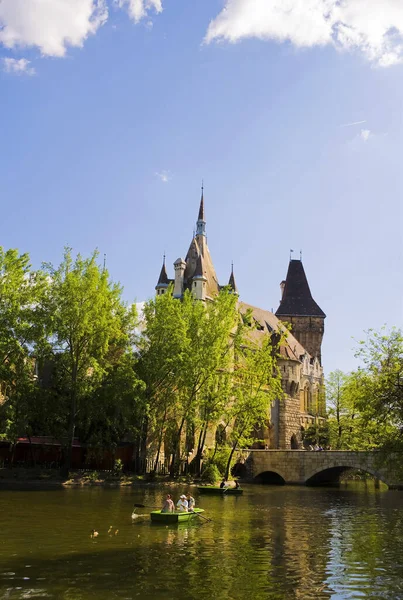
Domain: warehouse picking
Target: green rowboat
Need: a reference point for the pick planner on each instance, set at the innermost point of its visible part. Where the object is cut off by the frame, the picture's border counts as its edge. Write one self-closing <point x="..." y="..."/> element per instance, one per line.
<point x="177" y="517"/>
<point x="213" y="489"/>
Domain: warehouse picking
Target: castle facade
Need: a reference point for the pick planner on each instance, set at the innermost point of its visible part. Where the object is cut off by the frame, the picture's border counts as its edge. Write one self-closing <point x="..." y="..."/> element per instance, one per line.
<point x="300" y="360"/>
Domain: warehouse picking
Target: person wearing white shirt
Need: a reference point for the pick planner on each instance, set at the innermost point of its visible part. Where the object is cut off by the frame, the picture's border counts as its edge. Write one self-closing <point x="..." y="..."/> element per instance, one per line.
<point x="182" y="504"/>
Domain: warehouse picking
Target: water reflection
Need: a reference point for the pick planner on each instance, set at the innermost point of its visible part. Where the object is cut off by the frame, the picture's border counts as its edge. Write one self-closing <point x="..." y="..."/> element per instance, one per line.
<point x="269" y="544"/>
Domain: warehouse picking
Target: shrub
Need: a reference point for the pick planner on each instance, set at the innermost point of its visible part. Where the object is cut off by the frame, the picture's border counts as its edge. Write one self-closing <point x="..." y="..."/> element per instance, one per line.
<point x="220" y="459"/>
<point x="210" y="473"/>
<point x="118" y="467"/>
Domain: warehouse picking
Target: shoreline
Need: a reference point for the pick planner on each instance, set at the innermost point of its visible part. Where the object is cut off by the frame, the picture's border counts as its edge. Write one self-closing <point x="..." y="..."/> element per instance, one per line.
<point x="9" y="484"/>
<point x="42" y="479"/>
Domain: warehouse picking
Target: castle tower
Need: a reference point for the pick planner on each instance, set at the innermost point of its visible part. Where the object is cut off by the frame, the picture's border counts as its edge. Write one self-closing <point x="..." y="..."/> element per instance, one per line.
<point x="179" y="266"/>
<point x="163" y="281"/>
<point x="298" y="308"/>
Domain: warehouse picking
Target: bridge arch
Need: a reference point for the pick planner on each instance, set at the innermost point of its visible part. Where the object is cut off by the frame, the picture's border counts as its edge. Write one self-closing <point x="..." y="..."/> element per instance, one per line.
<point x="326" y="475"/>
<point x="269" y="478"/>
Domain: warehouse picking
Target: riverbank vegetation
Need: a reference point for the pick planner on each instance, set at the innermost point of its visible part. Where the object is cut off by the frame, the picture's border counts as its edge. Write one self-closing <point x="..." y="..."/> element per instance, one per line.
<point x="365" y="407"/>
<point x="76" y="363"/>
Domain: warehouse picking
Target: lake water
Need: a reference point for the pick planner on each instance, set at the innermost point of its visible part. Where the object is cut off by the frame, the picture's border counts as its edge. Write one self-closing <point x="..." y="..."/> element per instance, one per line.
<point x="271" y="543"/>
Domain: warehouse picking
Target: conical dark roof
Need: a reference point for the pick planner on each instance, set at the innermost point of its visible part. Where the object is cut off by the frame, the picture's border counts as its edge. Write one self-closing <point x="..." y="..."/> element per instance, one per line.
<point x="163" y="278"/>
<point x="297" y="298"/>
<point x="231" y="281"/>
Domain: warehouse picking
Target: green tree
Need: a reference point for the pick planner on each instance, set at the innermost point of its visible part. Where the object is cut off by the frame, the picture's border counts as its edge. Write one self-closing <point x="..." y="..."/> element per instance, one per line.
<point x="161" y="352"/>
<point x="366" y="406"/>
<point x="90" y="329"/>
<point x="210" y="335"/>
<point x="185" y="349"/>
<point x="344" y="418"/>
<point x="379" y="386"/>
<point x="256" y="384"/>
<point x="22" y="293"/>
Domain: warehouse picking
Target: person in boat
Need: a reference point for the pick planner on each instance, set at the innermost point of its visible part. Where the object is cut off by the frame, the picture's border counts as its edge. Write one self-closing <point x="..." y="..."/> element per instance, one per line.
<point x="191" y="502"/>
<point x="223" y="484"/>
<point x="237" y="486"/>
<point x="182" y="504"/>
<point x="169" y="506"/>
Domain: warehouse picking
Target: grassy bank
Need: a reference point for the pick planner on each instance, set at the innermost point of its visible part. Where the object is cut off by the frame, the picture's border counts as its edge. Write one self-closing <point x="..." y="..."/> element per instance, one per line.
<point x="51" y="477"/>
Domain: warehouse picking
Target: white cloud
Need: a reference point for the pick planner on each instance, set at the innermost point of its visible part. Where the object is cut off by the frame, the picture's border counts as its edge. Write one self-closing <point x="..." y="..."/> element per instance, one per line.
<point x="139" y="9"/>
<point x="53" y="26"/>
<point x="19" y="66"/>
<point x="365" y="134"/>
<point x="50" y="25"/>
<point x="375" y="27"/>
<point x="351" y="124"/>
<point x="164" y="175"/>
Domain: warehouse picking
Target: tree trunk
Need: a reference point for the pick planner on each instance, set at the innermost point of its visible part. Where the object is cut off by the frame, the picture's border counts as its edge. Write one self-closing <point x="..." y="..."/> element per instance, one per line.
<point x="66" y="467"/>
<point x="31" y="451"/>
<point x="227" y="470"/>
<point x="200" y="445"/>
<point x="172" y="470"/>
<point x="159" y="443"/>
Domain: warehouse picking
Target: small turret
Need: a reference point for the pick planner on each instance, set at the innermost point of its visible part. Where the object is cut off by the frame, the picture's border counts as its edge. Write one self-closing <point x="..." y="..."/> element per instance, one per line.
<point x="179" y="266"/>
<point x="199" y="280"/>
<point x="163" y="281"/>
<point x="231" y="282"/>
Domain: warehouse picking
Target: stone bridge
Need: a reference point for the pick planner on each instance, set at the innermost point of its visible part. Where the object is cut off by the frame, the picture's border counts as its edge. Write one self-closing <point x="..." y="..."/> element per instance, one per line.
<point x="301" y="467"/>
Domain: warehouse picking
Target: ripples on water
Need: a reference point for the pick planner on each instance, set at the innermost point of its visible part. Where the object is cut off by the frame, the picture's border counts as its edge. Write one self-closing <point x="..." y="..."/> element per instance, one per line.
<point x="269" y="544"/>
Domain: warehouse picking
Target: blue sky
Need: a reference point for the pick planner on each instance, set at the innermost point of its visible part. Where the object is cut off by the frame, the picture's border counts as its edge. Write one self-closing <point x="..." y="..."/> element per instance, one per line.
<point x="112" y="113"/>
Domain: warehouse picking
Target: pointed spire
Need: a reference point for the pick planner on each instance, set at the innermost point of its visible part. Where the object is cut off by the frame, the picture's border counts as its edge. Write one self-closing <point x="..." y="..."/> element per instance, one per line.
<point x="297" y="298"/>
<point x="201" y="222"/>
<point x="201" y="209"/>
<point x="231" y="281"/>
<point x="163" y="278"/>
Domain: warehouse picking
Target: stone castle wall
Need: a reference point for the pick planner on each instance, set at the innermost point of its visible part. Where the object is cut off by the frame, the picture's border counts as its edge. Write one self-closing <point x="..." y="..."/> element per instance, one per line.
<point x="289" y="423"/>
<point x="309" y="332"/>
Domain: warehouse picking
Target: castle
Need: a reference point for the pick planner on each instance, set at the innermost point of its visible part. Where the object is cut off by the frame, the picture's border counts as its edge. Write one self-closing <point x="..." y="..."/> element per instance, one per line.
<point x="300" y="360"/>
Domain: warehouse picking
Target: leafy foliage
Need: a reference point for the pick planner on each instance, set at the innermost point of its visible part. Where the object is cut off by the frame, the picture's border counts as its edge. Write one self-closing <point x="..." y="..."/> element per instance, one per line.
<point x="366" y="406"/>
<point x="255" y="385"/>
<point x="210" y="473"/>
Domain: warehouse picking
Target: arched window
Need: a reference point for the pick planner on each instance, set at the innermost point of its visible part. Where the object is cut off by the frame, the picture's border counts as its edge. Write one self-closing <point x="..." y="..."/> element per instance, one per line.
<point x="294" y="442"/>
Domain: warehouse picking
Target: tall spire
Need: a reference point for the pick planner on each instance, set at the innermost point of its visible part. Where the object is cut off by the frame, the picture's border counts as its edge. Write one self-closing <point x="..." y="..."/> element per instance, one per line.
<point x="231" y="281"/>
<point x="201" y="222"/>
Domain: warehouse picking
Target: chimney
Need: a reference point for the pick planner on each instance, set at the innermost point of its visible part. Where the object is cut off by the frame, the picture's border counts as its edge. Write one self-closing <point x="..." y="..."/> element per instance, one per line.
<point x="179" y="266"/>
